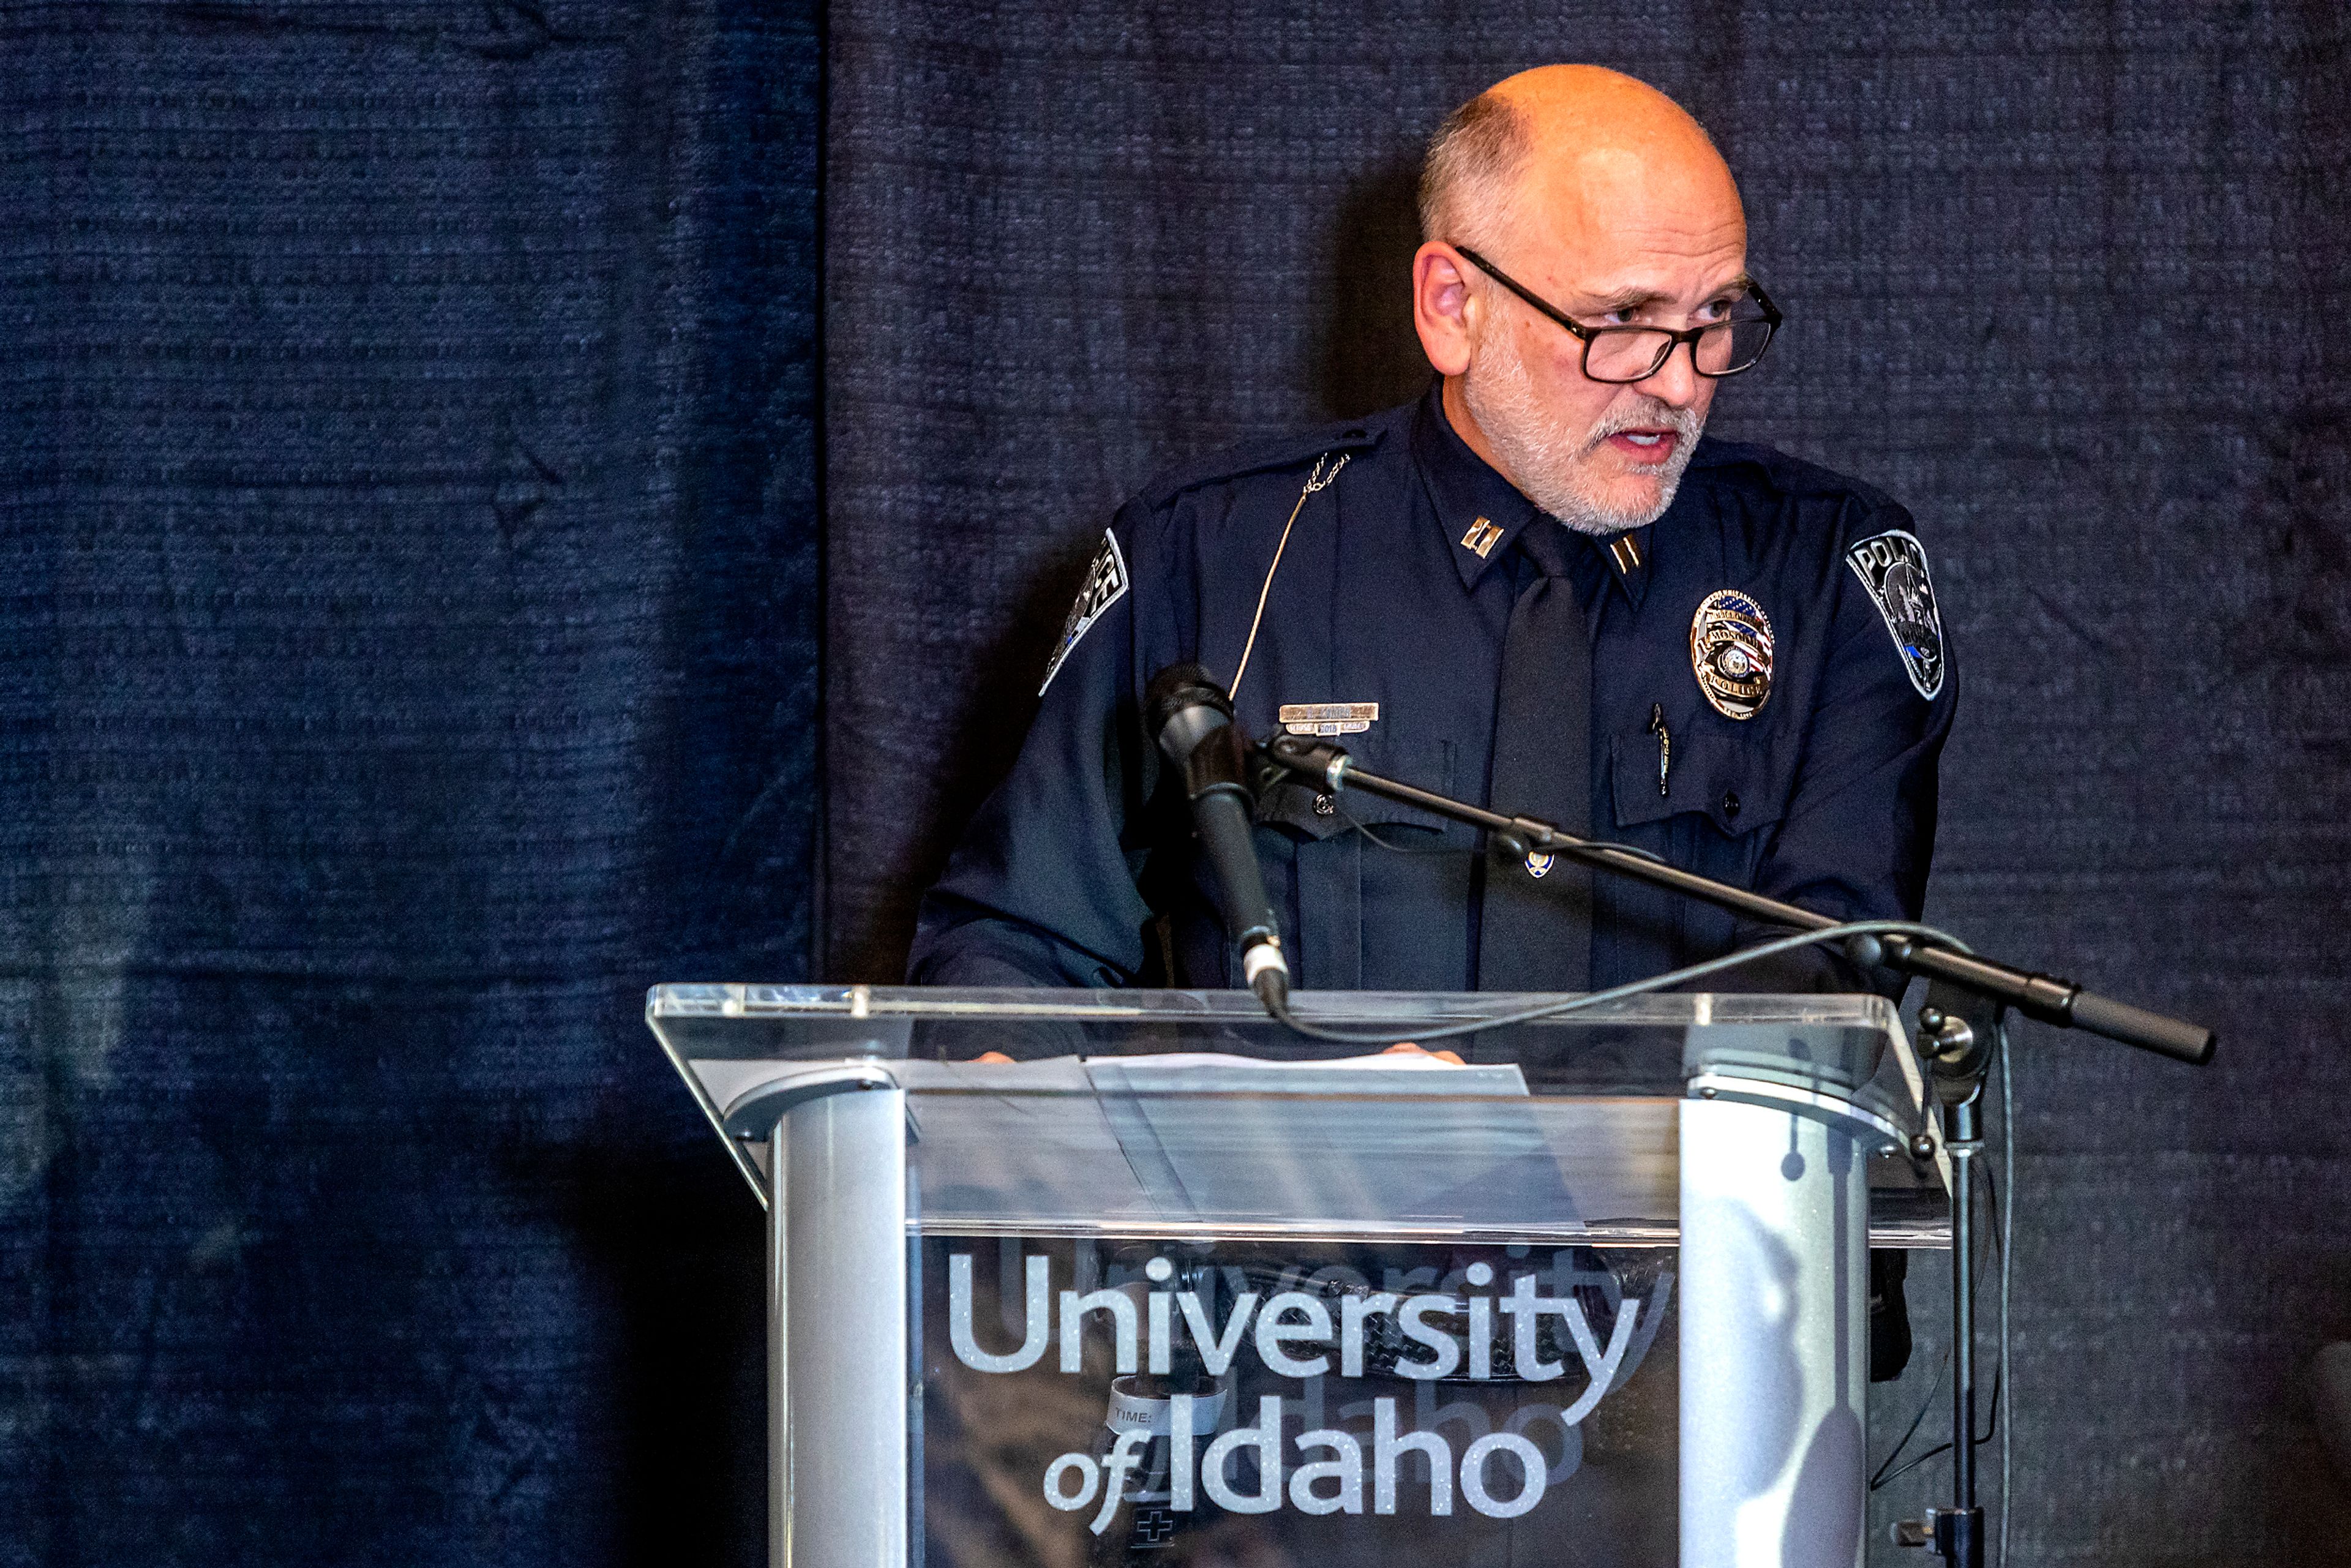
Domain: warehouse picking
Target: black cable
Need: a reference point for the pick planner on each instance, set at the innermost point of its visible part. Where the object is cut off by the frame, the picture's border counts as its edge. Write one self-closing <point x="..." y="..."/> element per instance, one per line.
<point x="1938" y="1451"/>
<point x="1941" y="1448"/>
<point x="1993" y="1241"/>
<point x="1999" y="1378"/>
<point x="1772" y="949"/>
<point x="1365" y="828"/>
<point x="1933" y="1387"/>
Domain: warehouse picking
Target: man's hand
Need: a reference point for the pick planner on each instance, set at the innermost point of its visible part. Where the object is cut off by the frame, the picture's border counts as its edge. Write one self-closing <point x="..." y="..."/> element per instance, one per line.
<point x="1405" y="1046"/>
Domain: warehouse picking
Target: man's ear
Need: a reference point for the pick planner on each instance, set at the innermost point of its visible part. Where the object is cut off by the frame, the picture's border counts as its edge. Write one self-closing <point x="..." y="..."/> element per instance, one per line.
<point x="1441" y="307"/>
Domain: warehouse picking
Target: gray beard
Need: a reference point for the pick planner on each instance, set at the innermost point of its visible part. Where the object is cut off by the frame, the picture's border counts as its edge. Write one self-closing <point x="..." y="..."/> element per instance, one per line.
<point x="1546" y="461"/>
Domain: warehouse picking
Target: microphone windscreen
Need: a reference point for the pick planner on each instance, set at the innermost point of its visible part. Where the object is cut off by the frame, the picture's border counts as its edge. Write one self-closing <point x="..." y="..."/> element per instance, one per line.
<point x="1182" y="704"/>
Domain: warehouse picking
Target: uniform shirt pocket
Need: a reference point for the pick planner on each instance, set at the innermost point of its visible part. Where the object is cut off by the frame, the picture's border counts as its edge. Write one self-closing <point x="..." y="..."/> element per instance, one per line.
<point x="1734" y="783"/>
<point x="1352" y="899"/>
<point x="1318" y="814"/>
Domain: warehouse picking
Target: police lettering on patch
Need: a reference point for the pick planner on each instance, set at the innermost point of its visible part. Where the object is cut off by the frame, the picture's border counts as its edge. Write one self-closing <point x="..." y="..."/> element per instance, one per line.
<point x="1106" y="585"/>
<point x="1893" y="566"/>
<point x="1731" y="653"/>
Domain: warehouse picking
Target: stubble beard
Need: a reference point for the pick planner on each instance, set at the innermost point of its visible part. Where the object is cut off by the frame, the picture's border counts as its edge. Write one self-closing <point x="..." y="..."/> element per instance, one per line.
<point x="1552" y="466"/>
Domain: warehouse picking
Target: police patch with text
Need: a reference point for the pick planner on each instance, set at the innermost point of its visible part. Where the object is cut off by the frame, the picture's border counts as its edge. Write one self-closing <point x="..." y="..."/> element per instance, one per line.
<point x="1893" y="566"/>
<point x="1106" y="585"/>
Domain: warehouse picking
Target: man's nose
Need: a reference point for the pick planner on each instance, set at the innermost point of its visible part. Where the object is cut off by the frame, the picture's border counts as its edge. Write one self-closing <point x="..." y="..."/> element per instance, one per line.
<point x="1674" y="382"/>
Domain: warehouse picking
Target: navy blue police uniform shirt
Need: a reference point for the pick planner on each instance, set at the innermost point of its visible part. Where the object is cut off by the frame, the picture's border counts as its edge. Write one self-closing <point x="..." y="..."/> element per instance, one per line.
<point x="1385" y="617"/>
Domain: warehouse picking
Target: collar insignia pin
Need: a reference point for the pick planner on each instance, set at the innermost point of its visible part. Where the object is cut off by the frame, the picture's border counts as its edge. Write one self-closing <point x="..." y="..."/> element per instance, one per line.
<point x="1538" y="862"/>
<point x="1731" y="653"/>
<point x="1479" y="540"/>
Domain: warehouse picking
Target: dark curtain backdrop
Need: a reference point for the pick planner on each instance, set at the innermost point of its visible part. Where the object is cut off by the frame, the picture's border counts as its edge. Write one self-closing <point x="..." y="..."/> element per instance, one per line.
<point x="409" y="523"/>
<point x="2066" y="278"/>
<point x="411" y="518"/>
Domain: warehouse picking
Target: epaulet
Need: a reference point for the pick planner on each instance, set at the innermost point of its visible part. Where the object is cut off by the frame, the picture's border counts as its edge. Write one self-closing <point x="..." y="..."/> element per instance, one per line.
<point x="1273" y="455"/>
<point x="1789" y="476"/>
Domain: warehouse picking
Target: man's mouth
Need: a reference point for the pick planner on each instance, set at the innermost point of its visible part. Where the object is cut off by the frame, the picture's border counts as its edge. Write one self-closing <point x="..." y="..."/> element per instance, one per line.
<point x="1645" y="446"/>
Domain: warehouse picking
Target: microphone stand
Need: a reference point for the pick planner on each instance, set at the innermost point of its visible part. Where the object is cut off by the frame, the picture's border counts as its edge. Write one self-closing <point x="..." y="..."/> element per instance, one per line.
<point x="1962" y="1028"/>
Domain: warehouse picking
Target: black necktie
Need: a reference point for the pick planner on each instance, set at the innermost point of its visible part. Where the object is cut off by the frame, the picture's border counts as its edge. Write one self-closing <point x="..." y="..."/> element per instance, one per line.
<point x="1536" y="931"/>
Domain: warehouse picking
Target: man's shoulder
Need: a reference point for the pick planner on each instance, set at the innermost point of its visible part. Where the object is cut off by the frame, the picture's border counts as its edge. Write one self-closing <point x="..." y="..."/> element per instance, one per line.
<point x="1280" y="459"/>
<point x="1769" y="472"/>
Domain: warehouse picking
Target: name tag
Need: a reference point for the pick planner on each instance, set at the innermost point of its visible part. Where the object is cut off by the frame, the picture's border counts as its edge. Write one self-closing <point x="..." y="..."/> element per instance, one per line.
<point x="1327" y="718"/>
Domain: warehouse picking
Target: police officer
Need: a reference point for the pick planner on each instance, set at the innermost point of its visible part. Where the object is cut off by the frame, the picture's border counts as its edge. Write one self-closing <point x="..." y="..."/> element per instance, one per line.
<point x="1539" y="586"/>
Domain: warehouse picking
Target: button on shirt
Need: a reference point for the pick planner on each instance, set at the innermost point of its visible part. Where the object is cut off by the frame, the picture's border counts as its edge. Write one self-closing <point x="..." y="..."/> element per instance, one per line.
<point x="1393" y="589"/>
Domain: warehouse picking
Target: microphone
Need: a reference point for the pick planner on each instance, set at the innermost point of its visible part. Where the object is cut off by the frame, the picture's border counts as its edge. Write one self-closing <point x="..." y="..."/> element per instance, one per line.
<point x="1192" y="719"/>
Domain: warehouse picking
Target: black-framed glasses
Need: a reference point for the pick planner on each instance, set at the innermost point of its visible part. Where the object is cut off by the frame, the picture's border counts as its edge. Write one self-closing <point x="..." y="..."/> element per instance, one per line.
<point x="1625" y="354"/>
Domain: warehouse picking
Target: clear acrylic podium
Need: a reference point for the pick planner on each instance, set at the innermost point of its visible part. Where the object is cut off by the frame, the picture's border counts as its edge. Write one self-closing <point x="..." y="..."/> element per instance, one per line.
<point x="1180" y="1286"/>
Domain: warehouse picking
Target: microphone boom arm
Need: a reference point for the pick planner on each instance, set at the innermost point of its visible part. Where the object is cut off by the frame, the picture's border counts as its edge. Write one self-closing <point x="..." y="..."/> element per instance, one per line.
<point x="2047" y="997"/>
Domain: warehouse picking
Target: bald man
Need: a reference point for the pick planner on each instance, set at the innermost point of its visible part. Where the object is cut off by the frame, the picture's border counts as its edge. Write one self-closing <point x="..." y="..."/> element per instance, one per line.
<point x="1539" y="587"/>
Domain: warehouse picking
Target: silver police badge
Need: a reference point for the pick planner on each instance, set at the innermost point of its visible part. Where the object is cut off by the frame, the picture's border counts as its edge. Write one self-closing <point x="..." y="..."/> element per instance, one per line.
<point x="1731" y="652"/>
<point x="1893" y="566"/>
<point x="1106" y="583"/>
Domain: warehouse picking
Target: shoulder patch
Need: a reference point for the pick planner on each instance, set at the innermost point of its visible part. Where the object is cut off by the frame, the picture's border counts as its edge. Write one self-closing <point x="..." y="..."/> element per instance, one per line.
<point x="1893" y="566"/>
<point x="1106" y="585"/>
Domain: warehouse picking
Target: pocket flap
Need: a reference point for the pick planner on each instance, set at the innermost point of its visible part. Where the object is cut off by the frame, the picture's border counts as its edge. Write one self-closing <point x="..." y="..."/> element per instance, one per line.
<point x="1427" y="765"/>
<point x="1733" y="782"/>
